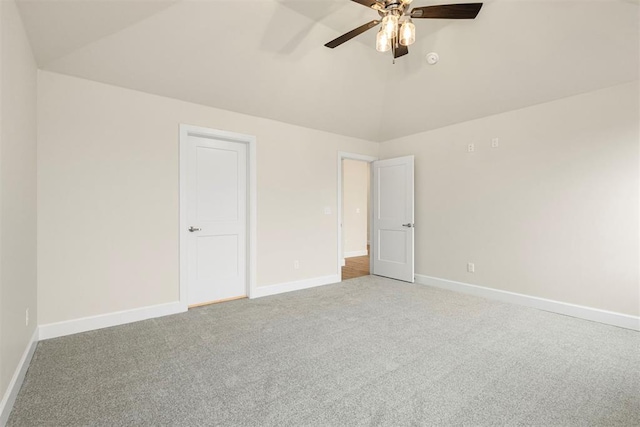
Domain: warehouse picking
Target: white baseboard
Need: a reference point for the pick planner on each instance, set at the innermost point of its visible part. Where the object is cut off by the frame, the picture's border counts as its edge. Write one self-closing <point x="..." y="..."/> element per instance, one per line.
<point x="356" y="253"/>
<point x="263" y="291"/>
<point x="573" y="310"/>
<point x="16" y="381"/>
<point x="59" y="329"/>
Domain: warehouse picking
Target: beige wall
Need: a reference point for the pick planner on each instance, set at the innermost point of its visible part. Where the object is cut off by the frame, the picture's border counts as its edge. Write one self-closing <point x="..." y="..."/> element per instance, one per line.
<point x="355" y="179"/>
<point x="17" y="192"/>
<point x="552" y="212"/>
<point x="108" y="196"/>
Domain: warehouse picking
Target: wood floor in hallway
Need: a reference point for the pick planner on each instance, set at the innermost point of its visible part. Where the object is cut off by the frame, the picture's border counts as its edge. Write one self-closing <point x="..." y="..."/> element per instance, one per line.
<point x="355" y="267"/>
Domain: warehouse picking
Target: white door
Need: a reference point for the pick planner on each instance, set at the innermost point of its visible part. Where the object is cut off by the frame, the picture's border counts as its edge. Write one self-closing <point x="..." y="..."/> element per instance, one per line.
<point x="393" y="227"/>
<point x="216" y="219"/>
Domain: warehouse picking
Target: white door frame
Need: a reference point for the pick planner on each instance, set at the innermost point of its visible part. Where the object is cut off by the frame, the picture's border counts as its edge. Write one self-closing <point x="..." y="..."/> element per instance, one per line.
<point x="250" y="140"/>
<point x="351" y="156"/>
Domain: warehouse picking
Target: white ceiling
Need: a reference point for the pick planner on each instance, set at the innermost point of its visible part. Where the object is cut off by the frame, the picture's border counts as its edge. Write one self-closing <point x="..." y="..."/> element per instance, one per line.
<point x="266" y="58"/>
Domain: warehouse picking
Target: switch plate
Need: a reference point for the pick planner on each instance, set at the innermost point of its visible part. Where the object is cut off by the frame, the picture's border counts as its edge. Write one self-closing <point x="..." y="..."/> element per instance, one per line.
<point x="26" y="315"/>
<point x="327" y="210"/>
<point x="471" y="147"/>
<point x="495" y="142"/>
<point x="471" y="267"/>
<point x="296" y="265"/>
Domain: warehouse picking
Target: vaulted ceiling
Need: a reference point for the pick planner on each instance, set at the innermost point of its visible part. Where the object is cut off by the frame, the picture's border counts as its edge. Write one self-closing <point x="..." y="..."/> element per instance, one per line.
<point x="266" y="58"/>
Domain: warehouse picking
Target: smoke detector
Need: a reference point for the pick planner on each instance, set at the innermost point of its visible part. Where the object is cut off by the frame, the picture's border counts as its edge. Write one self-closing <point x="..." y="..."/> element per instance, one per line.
<point x="432" y="58"/>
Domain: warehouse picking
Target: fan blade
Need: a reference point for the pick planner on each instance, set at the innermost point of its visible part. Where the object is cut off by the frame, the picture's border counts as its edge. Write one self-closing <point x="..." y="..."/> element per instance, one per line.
<point x="369" y="3"/>
<point x="351" y="34"/>
<point x="400" y="51"/>
<point x="448" y="11"/>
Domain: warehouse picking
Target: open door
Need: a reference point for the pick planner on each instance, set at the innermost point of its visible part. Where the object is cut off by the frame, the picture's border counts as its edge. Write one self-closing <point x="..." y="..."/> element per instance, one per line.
<point x="393" y="227"/>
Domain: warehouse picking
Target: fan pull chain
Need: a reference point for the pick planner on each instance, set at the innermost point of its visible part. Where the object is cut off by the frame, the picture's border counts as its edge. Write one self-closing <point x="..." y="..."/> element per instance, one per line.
<point x="394" y="48"/>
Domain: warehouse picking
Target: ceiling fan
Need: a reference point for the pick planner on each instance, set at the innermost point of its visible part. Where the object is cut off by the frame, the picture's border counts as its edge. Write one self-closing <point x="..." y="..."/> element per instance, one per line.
<point x="397" y="35"/>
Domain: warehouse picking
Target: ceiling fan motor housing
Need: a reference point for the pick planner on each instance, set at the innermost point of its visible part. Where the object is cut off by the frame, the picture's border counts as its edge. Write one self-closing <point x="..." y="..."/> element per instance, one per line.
<point x="395" y="7"/>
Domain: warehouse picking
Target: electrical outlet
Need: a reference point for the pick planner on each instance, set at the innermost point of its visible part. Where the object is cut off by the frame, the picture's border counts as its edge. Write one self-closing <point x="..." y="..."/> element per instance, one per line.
<point x="495" y="142"/>
<point x="26" y="315"/>
<point x="471" y="148"/>
<point x="296" y="265"/>
<point x="471" y="267"/>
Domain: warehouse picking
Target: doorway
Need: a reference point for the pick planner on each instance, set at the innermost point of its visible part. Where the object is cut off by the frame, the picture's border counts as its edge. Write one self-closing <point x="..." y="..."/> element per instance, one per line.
<point x="217" y="215"/>
<point x="355" y="218"/>
<point x="390" y="216"/>
<point x="354" y="214"/>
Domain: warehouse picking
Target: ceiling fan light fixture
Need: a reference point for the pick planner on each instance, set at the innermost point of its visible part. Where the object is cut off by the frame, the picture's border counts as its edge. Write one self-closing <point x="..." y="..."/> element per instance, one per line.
<point x="396" y="30"/>
<point x="383" y="41"/>
<point x="407" y="33"/>
<point x="390" y="25"/>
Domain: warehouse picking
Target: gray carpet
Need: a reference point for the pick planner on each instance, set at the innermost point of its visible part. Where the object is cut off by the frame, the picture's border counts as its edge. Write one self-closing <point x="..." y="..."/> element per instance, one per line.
<point x="368" y="351"/>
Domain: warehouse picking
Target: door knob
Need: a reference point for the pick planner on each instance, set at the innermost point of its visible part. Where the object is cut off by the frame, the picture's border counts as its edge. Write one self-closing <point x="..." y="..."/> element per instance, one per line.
<point x="409" y="225"/>
<point x="192" y="229"/>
